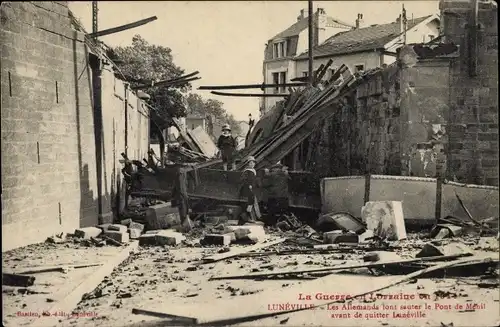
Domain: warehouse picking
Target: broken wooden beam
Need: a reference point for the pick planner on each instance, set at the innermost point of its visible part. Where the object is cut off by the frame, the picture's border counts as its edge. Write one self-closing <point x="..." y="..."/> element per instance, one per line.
<point x="122" y="27"/>
<point x="68" y="302"/>
<point x="248" y="86"/>
<point x="255" y="95"/>
<point x="250" y="308"/>
<point x="178" y="319"/>
<point x="235" y="252"/>
<point x="59" y="268"/>
<point x="340" y="267"/>
<point x="168" y="82"/>
<point x="17" y="280"/>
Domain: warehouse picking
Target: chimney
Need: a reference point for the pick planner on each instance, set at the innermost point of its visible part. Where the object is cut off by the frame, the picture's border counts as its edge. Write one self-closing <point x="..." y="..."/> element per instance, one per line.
<point x="359" y="21"/>
<point x="302" y="15"/>
<point x="320" y="23"/>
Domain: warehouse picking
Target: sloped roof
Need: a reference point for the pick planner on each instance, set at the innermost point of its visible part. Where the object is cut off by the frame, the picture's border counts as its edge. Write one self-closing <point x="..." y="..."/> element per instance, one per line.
<point x="302" y="25"/>
<point x="362" y="39"/>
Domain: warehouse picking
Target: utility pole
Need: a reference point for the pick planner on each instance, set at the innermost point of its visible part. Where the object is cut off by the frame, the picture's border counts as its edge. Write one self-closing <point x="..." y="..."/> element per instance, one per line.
<point x="311" y="43"/>
<point x="94" y="18"/>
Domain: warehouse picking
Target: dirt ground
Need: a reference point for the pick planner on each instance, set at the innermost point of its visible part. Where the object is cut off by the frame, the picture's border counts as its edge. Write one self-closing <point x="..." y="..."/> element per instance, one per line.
<point x="167" y="279"/>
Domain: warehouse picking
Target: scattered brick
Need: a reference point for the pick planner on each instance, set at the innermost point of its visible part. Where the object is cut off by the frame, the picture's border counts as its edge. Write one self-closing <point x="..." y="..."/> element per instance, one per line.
<point x="134" y="225"/>
<point x="117" y="227"/>
<point x="216" y="239"/>
<point x="88" y="232"/>
<point x="119" y="236"/>
<point x="338" y="236"/>
<point x="134" y="233"/>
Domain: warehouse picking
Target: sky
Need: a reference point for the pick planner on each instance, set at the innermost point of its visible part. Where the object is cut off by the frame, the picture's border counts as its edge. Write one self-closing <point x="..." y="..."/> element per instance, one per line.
<point x="225" y="40"/>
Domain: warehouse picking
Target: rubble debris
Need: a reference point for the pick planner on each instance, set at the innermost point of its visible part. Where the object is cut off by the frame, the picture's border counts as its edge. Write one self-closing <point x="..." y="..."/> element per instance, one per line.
<point x="236" y="252"/>
<point x="482" y="226"/>
<point x="366" y="236"/>
<point x="126" y="222"/>
<point x="134" y="225"/>
<point x="111" y="240"/>
<point x="134" y="233"/>
<point x="431" y="250"/>
<point x="346" y="267"/>
<point x="118" y="236"/>
<point x="385" y="218"/>
<point x="340" y="220"/>
<point x="59" y="268"/>
<point x="161" y="237"/>
<point x="162" y="216"/>
<point x="103" y="227"/>
<point x="117" y="228"/>
<point x="88" y="232"/>
<point x="17" y="280"/>
<point x="381" y="256"/>
<point x="339" y="236"/>
<point x="259" y="312"/>
<point x="442" y="231"/>
<point x="244" y="233"/>
<point x="217" y="239"/>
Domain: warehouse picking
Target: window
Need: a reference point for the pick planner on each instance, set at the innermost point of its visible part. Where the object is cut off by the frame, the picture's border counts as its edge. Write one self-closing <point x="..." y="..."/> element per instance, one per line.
<point x="276" y="80"/>
<point x="279" y="78"/>
<point x="279" y="49"/>
<point x="283" y="81"/>
<point x="359" y="68"/>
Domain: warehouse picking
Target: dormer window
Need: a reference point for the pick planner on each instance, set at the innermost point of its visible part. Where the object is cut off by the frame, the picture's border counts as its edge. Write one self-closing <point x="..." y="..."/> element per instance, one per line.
<point x="279" y="49"/>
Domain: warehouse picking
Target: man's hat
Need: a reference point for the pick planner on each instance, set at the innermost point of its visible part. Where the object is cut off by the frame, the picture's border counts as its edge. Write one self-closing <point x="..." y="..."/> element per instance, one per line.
<point x="226" y="127"/>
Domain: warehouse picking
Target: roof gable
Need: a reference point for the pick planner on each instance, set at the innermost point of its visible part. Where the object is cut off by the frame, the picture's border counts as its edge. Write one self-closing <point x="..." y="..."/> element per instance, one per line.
<point x="362" y="39"/>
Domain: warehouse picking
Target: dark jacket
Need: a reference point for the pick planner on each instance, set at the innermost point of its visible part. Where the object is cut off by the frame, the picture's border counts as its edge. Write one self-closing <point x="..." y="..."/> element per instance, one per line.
<point x="226" y="142"/>
<point x="248" y="178"/>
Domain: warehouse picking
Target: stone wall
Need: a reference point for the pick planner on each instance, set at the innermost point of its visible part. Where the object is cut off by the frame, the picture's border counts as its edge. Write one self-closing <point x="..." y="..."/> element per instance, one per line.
<point x="50" y="177"/>
<point x="473" y="121"/>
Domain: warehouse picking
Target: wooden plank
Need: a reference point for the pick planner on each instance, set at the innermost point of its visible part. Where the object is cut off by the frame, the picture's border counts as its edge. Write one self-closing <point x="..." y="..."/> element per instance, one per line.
<point x="123" y="27"/>
<point x="255" y="307"/>
<point x="237" y="251"/>
<point x="71" y="300"/>
<point x="341" y="267"/>
<point x="17" y="280"/>
<point x="59" y="268"/>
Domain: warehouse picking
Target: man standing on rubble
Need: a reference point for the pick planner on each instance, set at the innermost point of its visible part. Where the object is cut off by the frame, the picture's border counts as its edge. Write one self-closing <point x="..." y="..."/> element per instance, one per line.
<point x="251" y="211"/>
<point x="227" y="147"/>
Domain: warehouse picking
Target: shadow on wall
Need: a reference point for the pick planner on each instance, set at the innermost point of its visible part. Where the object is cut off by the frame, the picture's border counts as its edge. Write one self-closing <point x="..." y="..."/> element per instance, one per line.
<point x="88" y="205"/>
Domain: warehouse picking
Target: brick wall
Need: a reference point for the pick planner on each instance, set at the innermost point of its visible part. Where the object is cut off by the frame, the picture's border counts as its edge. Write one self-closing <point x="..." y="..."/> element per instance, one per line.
<point x="473" y="130"/>
<point x="362" y="136"/>
<point x="49" y="162"/>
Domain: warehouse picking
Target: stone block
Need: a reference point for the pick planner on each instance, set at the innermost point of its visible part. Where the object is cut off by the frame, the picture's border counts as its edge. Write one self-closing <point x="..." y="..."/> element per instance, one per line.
<point x="147" y="239"/>
<point x="126" y="222"/>
<point x="161" y="237"/>
<point x="117" y="227"/>
<point x="166" y="237"/>
<point x="134" y="233"/>
<point x="338" y="236"/>
<point x="134" y="225"/>
<point x="119" y="236"/>
<point x="216" y="239"/>
<point x="162" y="216"/>
<point x="88" y="232"/>
<point x="385" y="219"/>
<point x="255" y="232"/>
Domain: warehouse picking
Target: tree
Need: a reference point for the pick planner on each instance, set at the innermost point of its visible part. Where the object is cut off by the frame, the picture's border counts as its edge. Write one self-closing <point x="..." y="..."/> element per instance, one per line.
<point x="143" y="63"/>
<point x="214" y="108"/>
